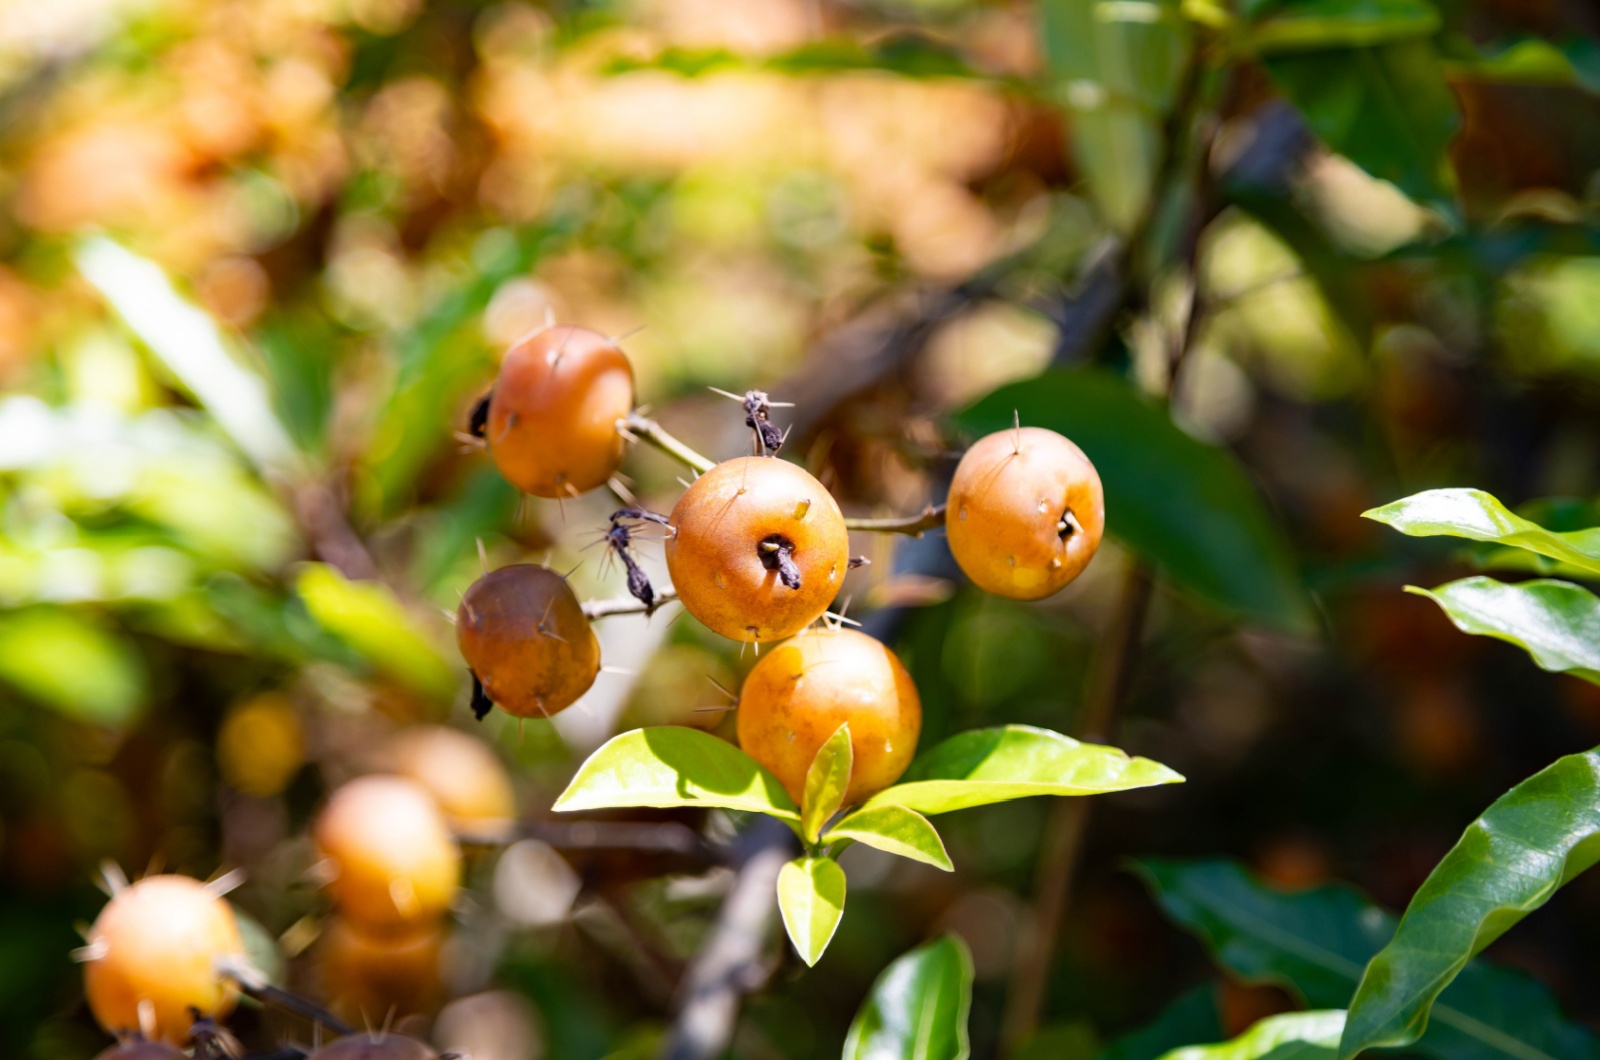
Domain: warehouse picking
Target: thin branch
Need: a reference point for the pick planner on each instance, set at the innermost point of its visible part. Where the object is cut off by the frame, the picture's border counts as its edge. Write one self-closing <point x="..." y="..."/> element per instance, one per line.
<point x="626" y="605"/>
<point x="652" y="433"/>
<point x="253" y="983"/>
<point x="666" y="837"/>
<point x="930" y="518"/>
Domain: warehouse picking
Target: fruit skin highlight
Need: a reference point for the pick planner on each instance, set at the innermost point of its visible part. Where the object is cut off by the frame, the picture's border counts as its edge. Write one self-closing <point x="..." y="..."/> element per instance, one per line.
<point x="524" y="636"/>
<point x="464" y="776"/>
<point x="552" y="422"/>
<point x="158" y="942"/>
<point x="805" y="688"/>
<point x="725" y="576"/>
<point x="396" y="865"/>
<point x="1025" y="513"/>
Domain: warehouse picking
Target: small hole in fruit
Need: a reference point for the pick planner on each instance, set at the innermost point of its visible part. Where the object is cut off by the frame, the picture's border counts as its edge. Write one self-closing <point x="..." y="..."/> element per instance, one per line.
<point x="1068" y="525"/>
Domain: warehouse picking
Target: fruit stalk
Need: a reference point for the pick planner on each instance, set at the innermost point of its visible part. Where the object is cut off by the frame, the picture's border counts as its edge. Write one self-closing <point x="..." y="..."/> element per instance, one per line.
<point x="652" y="433"/>
<point x="626" y="605"/>
<point x="930" y="518"/>
<point x="253" y="983"/>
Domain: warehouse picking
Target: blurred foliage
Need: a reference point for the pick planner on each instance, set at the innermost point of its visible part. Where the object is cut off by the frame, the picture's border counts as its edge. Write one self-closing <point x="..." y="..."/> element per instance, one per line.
<point x="257" y="261"/>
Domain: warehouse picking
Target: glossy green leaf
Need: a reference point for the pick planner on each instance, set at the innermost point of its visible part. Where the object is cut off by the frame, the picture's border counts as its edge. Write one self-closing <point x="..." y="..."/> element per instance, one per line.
<point x="72" y="665"/>
<point x="1291" y="1036"/>
<point x="1308" y="24"/>
<point x="368" y="617"/>
<point x="811" y="899"/>
<point x="672" y="766"/>
<point x="1316" y="943"/>
<point x="1557" y="623"/>
<point x="984" y="766"/>
<point x="1479" y="516"/>
<point x="896" y="830"/>
<point x="1531" y="841"/>
<point x="1386" y="108"/>
<point x="826" y="782"/>
<point x="1180" y="503"/>
<point x="1573" y="61"/>
<point x="918" y="1007"/>
<point x="1116" y="68"/>
<point x="1191" y="1017"/>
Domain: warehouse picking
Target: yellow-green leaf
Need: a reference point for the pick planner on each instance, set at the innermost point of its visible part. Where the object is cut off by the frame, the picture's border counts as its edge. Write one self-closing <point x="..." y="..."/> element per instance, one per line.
<point x="673" y="766"/>
<point x="826" y="782"/>
<point x="811" y="898"/>
<point x="895" y="830"/>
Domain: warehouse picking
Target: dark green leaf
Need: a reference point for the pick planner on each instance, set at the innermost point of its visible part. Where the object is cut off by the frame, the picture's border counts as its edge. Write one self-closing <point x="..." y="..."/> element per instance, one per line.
<point x="1291" y="1036"/>
<point x="1573" y="61"/>
<point x="671" y="766"/>
<point x="1479" y="516"/>
<point x="1185" y="505"/>
<point x="1530" y="842"/>
<point x="1386" y="108"/>
<point x="918" y="1007"/>
<point x="1316" y="943"/>
<point x="826" y="782"/>
<point x="1557" y="623"/>
<point x="1191" y="1017"/>
<point x="896" y="830"/>
<point x="811" y="899"/>
<point x="985" y="766"/>
<point x="1310" y="24"/>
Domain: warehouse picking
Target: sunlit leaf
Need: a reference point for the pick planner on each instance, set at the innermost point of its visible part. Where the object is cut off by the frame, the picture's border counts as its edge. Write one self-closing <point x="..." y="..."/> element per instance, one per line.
<point x="826" y="781"/>
<point x="1305" y="24"/>
<point x="1386" y="108"/>
<point x="896" y="830"/>
<point x="370" y="619"/>
<point x="918" y="1007"/>
<point x="1182" y="504"/>
<point x="1290" y="1036"/>
<point x="672" y="766"/>
<point x="1315" y="943"/>
<point x="1478" y="516"/>
<point x="811" y="899"/>
<point x="1557" y="623"/>
<point x="984" y="766"/>
<point x="1531" y="841"/>
<point x="72" y="665"/>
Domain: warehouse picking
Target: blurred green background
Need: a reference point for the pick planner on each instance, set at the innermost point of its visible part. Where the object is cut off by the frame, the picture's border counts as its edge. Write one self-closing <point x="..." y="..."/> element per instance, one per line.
<point x="259" y="257"/>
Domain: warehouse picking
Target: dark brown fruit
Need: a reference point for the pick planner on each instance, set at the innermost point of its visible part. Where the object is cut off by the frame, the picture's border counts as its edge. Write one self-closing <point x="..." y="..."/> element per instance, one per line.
<point x="524" y="636"/>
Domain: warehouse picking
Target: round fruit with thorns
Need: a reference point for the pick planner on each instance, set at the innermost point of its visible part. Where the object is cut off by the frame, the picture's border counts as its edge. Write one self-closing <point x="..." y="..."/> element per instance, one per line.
<point x="375" y="1046"/>
<point x="156" y="958"/>
<point x="758" y="549"/>
<point x="393" y="863"/>
<point x="462" y="773"/>
<point x="527" y="642"/>
<point x="551" y="420"/>
<point x="799" y="694"/>
<point x="1025" y="513"/>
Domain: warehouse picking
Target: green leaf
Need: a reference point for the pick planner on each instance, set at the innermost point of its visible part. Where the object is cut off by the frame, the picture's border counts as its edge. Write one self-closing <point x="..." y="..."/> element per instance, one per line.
<point x="1557" y="623"/>
<point x="1387" y="108"/>
<point x="371" y="619"/>
<point x="826" y="782"/>
<point x="1180" y="503"/>
<point x="671" y="766"/>
<point x="1572" y="62"/>
<point x="1310" y="24"/>
<point x="1192" y="1016"/>
<point x="72" y="665"/>
<point x="1291" y="1036"/>
<point x="1531" y="841"/>
<point x="1116" y="68"/>
<point x="896" y="830"/>
<point x="1013" y="762"/>
<point x="811" y="898"/>
<point x="1479" y="516"/>
<point x="1316" y="942"/>
<point x="918" y="1007"/>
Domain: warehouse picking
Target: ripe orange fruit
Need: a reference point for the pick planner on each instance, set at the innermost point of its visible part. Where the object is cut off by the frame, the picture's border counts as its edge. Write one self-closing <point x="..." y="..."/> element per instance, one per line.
<point x="368" y="979"/>
<point x="141" y="1051"/>
<point x="397" y="864"/>
<point x="552" y="423"/>
<point x="804" y="689"/>
<point x="524" y="636"/>
<point x="758" y="549"/>
<point x="462" y="773"/>
<point x="1025" y="513"/>
<point x="153" y="956"/>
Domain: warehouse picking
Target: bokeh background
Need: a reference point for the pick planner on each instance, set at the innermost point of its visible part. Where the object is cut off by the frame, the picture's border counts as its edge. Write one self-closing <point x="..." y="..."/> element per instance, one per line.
<point x="259" y="257"/>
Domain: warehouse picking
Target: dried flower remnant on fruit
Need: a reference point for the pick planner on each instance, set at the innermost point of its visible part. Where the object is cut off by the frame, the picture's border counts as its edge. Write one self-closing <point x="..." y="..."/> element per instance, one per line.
<point x="777" y="554"/>
<point x="758" y="417"/>
<point x="619" y="539"/>
<point x="478" y="419"/>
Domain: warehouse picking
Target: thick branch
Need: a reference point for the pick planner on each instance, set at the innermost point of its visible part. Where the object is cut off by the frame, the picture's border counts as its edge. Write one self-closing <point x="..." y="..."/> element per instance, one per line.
<point x="930" y="518"/>
<point x="626" y="605"/>
<point x="652" y="433"/>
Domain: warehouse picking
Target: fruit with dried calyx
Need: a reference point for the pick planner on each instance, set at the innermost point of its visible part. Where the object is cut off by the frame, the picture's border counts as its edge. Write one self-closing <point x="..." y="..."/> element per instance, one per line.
<point x="393" y="863"/>
<point x="801" y="691"/>
<point x="758" y="549"/>
<point x="527" y="642"/>
<point x="1025" y="513"/>
<point x="551" y="420"/>
<point x="155" y="956"/>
